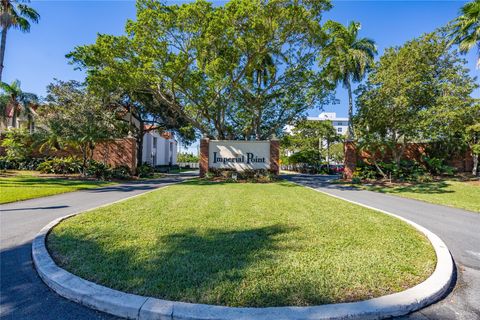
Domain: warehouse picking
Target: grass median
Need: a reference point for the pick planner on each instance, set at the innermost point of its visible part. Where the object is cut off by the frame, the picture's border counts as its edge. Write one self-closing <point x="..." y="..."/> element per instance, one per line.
<point x="18" y="185"/>
<point x="258" y="245"/>
<point x="458" y="194"/>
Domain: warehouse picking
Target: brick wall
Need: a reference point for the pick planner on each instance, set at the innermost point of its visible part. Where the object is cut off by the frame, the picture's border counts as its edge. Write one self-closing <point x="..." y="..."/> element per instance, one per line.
<point x="275" y="156"/>
<point x="413" y="151"/>
<point x="204" y="143"/>
<point x="117" y="152"/>
<point x="114" y="153"/>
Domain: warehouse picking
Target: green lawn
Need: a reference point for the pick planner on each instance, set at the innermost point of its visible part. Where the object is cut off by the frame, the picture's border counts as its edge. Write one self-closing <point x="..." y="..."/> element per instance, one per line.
<point x="246" y="244"/>
<point x="459" y="194"/>
<point x="28" y="185"/>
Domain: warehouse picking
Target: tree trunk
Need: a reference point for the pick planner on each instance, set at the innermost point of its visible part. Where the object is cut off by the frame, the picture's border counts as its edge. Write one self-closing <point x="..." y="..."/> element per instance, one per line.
<point x="475" y="170"/>
<point x="139" y="140"/>
<point x="2" y="51"/>
<point x="14" y="117"/>
<point x="351" y="133"/>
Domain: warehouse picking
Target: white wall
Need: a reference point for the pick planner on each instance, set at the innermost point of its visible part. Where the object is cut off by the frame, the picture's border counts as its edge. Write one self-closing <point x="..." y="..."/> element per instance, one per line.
<point x="163" y="153"/>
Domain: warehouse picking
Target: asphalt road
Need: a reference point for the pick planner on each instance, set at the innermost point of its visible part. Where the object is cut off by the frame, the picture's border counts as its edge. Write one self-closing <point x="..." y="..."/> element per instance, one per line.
<point x="23" y="295"/>
<point x="459" y="229"/>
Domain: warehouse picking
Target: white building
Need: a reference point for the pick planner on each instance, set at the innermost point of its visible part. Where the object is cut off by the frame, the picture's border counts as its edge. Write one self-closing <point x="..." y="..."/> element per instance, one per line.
<point x="340" y="124"/>
<point x="159" y="149"/>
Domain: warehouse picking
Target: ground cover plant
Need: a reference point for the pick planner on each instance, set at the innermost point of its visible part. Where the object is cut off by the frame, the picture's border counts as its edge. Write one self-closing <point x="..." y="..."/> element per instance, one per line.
<point x="243" y="244"/>
<point x="454" y="193"/>
<point x="23" y="185"/>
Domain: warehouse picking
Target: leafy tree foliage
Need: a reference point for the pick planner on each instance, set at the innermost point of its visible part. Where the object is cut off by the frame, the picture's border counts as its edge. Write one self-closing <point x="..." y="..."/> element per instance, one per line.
<point x="73" y="118"/>
<point x="419" y="92"/>
<point x="187" y="157"/>
<point x="238" y="71"/>
<point x="310" y="141"/>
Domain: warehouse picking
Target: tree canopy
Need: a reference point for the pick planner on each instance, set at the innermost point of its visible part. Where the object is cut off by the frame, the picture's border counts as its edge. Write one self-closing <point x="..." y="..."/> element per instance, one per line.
<point x="238" y="71"/>
<point x="419" y="92"/>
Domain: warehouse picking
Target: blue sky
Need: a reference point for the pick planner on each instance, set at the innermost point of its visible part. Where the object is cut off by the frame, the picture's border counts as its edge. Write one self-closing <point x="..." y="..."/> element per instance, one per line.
<point x="36" y="58"/>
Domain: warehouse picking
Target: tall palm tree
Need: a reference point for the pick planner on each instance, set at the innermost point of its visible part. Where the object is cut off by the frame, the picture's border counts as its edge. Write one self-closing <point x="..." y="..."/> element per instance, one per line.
<point x="347" y="58"/>
<point x="17" y="103"/>
<point x="14" y="14"/>
<point x="466" y="28"/>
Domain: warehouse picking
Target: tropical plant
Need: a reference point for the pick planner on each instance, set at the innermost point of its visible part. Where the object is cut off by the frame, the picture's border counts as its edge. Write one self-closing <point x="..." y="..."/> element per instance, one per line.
<point x="466" y="28"/>
<point x="347" y="58"/>
<point x="16" y="102"/>
<point x="78" y="119"/>
<point x="14" y="14"/>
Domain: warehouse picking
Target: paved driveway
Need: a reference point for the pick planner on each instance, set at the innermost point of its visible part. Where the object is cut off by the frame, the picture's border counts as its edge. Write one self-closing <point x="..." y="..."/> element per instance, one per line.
<point x="24" y="296"/>
<point x="22" y="293"/>
<point x="459" y="229"/>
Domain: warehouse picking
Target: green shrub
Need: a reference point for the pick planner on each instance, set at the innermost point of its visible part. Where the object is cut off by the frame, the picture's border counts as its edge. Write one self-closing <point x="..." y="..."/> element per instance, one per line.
<point x="99" y="170"/>
<point x="231" y="175"/>
<point x="7" y="163"/>
<point x="68" y="165"/>
<point x="437" y="166"/>
<point x="145" y="171"/>
<point x="17" y="144"/>
<point x="121" y="172"/>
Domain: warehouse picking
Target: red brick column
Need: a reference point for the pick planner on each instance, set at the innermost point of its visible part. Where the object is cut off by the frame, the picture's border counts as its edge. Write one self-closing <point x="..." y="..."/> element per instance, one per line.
<point x="204" y="142"/>
<point x="275" y="156"/>
<point x="350" y="162"/>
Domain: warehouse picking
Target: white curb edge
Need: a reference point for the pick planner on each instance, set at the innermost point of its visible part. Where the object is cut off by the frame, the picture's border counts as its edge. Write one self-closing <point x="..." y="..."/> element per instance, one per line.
<point x="139" y="307"/>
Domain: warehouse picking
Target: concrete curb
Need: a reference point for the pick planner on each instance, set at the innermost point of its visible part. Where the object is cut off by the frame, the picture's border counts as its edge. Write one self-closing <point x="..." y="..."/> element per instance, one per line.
<point x="139" y="307"/>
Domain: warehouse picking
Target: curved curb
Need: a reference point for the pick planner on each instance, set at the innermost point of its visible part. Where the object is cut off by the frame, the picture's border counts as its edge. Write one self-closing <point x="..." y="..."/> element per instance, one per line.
<point x="133" y="306"/>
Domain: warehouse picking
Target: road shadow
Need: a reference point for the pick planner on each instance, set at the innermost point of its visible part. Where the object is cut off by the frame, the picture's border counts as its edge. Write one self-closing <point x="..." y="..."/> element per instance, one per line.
<point x="37" y="208"/>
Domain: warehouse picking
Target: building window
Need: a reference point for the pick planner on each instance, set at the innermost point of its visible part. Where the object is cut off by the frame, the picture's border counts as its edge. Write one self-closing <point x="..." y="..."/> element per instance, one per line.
<point x="154" y="142"/>
<point x="340" y="124"/>
<point x="339" y="130"/>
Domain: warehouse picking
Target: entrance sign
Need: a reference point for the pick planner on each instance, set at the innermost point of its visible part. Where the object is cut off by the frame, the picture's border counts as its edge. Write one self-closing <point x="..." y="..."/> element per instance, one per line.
<point x="239" y="155"/>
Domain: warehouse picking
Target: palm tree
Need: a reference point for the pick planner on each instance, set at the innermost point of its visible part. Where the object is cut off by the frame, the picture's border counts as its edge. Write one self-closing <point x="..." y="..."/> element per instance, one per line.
<point x="18" y="102"/>
<point x="347" y="58"/>
<point x="14" y="13"/>
<point x="466" y="28"/>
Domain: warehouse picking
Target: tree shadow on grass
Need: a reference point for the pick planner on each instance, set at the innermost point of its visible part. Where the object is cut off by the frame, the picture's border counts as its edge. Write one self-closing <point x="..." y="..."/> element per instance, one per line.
<point x="423" y="188"/>
<point x="203" y="267"/>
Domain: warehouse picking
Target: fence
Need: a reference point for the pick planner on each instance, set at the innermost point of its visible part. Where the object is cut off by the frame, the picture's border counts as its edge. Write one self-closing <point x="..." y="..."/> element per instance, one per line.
<point x="188" y="165"/>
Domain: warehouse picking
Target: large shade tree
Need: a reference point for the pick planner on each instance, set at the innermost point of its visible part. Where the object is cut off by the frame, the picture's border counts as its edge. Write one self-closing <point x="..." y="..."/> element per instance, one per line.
<point x="238" y="71"/>
<point x="466" y="28"/>
<point x="347" y="57"/>
<point x="419" y="92"/>
<point x="14" y="14"/>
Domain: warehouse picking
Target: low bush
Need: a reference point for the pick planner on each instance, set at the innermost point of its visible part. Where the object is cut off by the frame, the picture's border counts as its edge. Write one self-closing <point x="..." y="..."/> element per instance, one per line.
<point x="68" y="165"/>
<point x="437" y="166"/>
<point x="99" y="170"/>
<point x="145" y="171"/>
<point x="230" y="175"/>
<point x="7" y="163"/>
<point x="410" y="171"/>
<point x="121" y="172"/>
